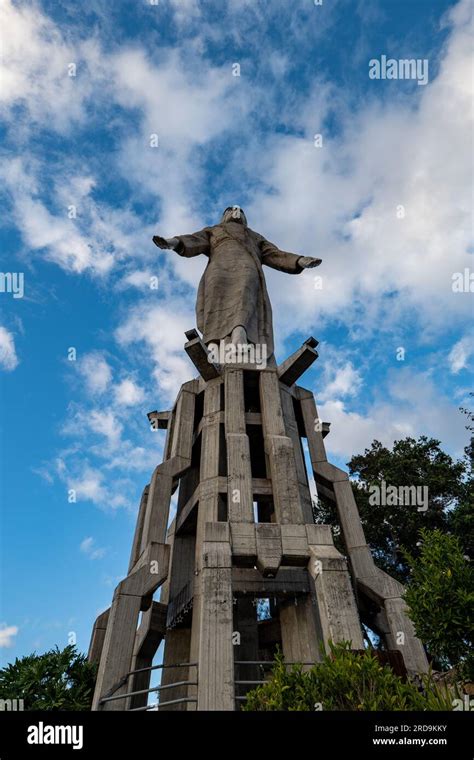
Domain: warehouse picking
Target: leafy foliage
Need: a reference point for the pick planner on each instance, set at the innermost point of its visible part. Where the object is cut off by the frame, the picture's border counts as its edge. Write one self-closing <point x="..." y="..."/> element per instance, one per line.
<point x="345" y="680"/>
<point x="469" y="415"/>
<point x="390" y="529"/>
<point x="55" y="680"/>
<point x="461" y="519"/>
<point x="440" y="598"/>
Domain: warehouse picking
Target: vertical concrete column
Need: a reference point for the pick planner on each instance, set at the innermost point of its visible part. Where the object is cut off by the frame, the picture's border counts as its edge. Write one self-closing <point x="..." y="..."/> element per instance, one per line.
<point x="179" y="448"/>
<point x="313" y="426"/>
<point x="147" y="640"/>
<point x="291" y="429"/>
<point x="182" y="436"/>
<point x="335" y="602"/>
<point x="208" y="505"/>
<point x="281" y="455"/>
<point x="178" y="642"/>
<point x="157" y="510"/>
<point x="216" y="656"/>
<point x="239" y="473"/>
<point x="300" y="636"/>
<point x="332" y="479"/>
<point x="117" y="652"/>
<point x="402" y="636"/>
<point x="245" y="624"/>
<point x="97" y="637"/>
<point x="137" y="538"/>
<point x="116" y="659"/>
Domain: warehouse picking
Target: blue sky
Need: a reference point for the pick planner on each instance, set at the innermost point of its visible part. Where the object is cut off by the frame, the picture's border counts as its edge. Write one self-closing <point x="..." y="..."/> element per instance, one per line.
<point x="83" y="191"/>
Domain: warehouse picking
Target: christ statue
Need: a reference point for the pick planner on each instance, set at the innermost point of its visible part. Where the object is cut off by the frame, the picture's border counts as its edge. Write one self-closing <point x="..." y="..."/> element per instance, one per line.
<point x="232" y="302"/>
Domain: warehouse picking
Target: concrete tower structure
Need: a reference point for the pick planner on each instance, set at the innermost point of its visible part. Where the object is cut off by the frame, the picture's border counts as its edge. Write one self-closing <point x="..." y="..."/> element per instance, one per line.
<point x="243" y="531"/>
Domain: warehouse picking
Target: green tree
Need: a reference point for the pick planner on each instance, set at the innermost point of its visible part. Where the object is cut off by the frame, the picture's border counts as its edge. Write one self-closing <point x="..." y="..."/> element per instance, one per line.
<point x="55" y="680"/>
<point x="345" y="680"/>
<point x="390" y="529"/>
<point x="461" y="519"/>
<point x="469" y="414"/>
<point x="440" y="599"/>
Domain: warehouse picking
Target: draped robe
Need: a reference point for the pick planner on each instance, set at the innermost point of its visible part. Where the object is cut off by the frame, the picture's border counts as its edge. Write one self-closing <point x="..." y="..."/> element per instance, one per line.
<point x="232" y="290"/>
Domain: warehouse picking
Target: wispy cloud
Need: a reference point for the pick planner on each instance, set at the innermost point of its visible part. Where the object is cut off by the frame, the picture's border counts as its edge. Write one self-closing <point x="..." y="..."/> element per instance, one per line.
<point x="96" y="372"/>
<point x="460" y="353"/>
<point x="403" y="409"/>
<point x="8" y="356"/>
<point x="7" y="635"/>
<point x="128" y="393"/>
<point x="88" y="546"/>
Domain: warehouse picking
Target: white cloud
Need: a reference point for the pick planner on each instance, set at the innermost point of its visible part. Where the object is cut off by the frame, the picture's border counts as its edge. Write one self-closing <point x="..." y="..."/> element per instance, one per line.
<point x="341" y="380"/>
<point x="8" y="357"/>
<point x="88" y="547"/>
<point x="77" y="233"/>
<point x="139" y="278"/>
<point x="88" y="486"/>
<point x="105" y="423"/>
<point x="405" y="408"/>
<point x="339" y="202"/>
<point x="82" y="421"/>
<point x="7" y="634"/>
<point x="460" y="353"/>
<point x="161" y="329"/>
<point x="128" y="393"/>
<point x="36" y="65"/>
<point x="96" y="372"/>
<point x="185" y="10"/>
<point x="129" y="457"/>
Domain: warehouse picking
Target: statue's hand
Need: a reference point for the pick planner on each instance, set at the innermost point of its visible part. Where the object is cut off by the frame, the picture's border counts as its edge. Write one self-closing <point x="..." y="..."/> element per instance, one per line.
<point x="307" y="262"/>
<point x="165" y="242"/>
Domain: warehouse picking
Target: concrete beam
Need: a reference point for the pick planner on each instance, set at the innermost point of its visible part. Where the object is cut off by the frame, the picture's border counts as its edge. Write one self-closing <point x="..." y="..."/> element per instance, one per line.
<point x="132" y="594"/>
<point x="286" y="584"/>
<point x="296" y="364"/>
<point x="98" y="636"/>
<point x="147" y="640"/>
<point x="336" y="606"/>
<point x="199" y="355"/>
<point x="159" y="420"/>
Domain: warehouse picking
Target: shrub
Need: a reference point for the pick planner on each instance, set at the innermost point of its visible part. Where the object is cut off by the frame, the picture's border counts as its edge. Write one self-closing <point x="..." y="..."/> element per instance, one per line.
<point x="345" y="680"/>
<point x="55" y="680"/>
<point x="440" y="599"/>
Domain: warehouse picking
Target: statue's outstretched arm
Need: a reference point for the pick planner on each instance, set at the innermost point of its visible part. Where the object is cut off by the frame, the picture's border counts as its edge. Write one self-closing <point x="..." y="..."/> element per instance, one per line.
<point x="284" y="261"/>
<point x="165" y="243"/>
<point x="186" y="245"/>
<point x="308" y="262"/>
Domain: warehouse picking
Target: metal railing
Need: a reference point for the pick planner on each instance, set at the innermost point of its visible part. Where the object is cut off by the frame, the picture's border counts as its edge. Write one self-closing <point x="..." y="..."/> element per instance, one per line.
<point x="263" y="663"/>
<point x="111" y="696"/>
<point x="157" y="705"/>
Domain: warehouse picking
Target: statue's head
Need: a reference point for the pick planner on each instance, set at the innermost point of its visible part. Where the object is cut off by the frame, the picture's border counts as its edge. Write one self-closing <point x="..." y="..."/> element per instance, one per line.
<point x="234" y="214"/>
